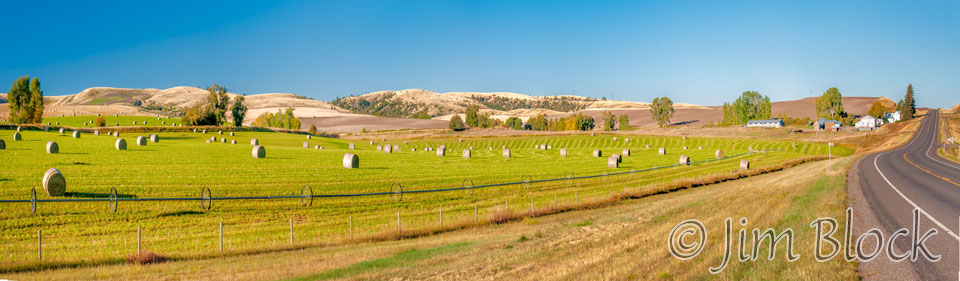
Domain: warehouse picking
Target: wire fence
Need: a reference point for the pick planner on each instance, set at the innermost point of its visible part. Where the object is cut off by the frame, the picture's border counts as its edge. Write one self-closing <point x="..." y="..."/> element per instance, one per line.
<point x="306" y="197"/>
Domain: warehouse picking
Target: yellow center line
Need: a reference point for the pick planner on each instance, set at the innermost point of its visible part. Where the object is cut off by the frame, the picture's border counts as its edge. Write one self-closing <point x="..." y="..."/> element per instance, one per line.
<point x="928" y="171"/>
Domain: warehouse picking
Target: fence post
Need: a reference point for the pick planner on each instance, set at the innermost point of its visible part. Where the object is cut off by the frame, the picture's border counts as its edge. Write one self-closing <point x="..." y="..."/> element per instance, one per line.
<point x="399" y="228"/>
<point x="351" y="226"/>
<point x="554" y="200"/>
<point x="39" y="244"/>
<point x="291" y="231"/>
<point x="476" y="214"/>
<point x="138" y="239"/>
<point x="576" y="198"/>
<point x="441" y="217"/>
<point x="221" y="236"/>
<point x="531" y="205"/>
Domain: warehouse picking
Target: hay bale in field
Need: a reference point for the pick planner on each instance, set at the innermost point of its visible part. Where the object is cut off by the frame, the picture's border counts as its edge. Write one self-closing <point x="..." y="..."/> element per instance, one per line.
<point x="684" y="160"/>
<point x="593" y="134"/>
<point x="154" y="138"/>
<point x="76" y="134"/>
<point x="233" y="142"/>
<point x="96" y="133"/>
<point x="134" y="122"/>
<point x="115" y="124"/>
<point x="120" y="144"/>
<point x="396" y="148"/>
<point x="647" y="146"/>
<point x="700" y="147"/>
<point x="404" y="142"/>
<point x="718" y="154"/>
<point x="351" y="161"/>
<point x="466" y="154"/>
<point x="441" y="152"/>
<point x="563" y="152"/>
<point x="52" y="147"/>
<point x="204" y="131"/>
<point x="163" y="123"/>
<point x="614" y="138"/>
<point x="306" y="144"/>
<point x="223" y="140"/>
<point x="662" y="151"/>
<point x="220" y="132"/>
<point x="613" y="162"/>
<point x="208" y="141"/>
<point x="506" y="153"/>
<point x="750" y="148"/>
<point x="254" y="142"/>
<point x="549" y="147"/>
<point x="116" y="134"/>
<point x="387" y="149"/>
<point x="258" y="152"/>
<point x="793" y="144"/>
<point x="461" y="140"/>
<point x="316" y="147"/>
<point x="308" y="137"/>
<point x="597" y="153"/>
<point x="371" y="142"/>
<point x="413" y="149"/>
<point x="379" y="148"/>
<point x="684" y="137"/>
<point x="231" y="134"/>
<point x="84" y="124"/>
<point x="626" y="152"/>
<point x="61" y="131"/>
<point x="213" y="139"/>
<point x="141" y="140"/>
<point x="3" y="145"/>
<point x="744" y="164"/>
<point x="619" y="158"/>
<point x="351" y="146"/>
<point x="54" y="183"/>
<point x="16" y="136"/>
<point x="58" y="123"/>
<point x="194" y="130"/>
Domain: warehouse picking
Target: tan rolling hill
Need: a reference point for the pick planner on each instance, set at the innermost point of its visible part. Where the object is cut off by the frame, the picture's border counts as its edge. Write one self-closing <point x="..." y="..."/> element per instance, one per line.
<point x="955" y="108"/>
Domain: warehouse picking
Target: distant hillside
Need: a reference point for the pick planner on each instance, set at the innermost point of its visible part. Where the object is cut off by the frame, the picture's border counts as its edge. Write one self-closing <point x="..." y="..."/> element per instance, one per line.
<point x="407" y="103"/>
<point x="176" y="98"/>
<point x="955" y="108"/>
<point x="3" y="98"/>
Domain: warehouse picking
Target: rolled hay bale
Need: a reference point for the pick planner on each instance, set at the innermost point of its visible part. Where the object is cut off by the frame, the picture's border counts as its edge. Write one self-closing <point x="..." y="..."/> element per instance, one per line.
<point x="700" y="147"/>
<point x="3" y="145"/>
<point x="316" y="147"/>
<point x="351" y="161"/>
<point x="597" y="153"/>
<point x="154" y="138"/>
<point x="441" y="152"/>
<point x="220" y="132"/>
<point x="116" y="134"/>
<point x="208" y="141"/>
<point x="58" y="122"/>
<point x="61" y="131"/>
<point x="144" y="122"/>
<point x="76" y="134"/>
<point x="16" y="136"/>
<point x="141" y="140"/>
<point x="84" y="124"/>
<point x="379" y="148"/>
<point x="466" y="154"/>
<point x="744" y="164"/>
<point x="163" y="123"/>
<point x="213" y="139"/>
<point x="613" y="162"/>
<point x="52" y="147"/>
<point x="614" y="138"/>
<point x="134" y="122"/>
<point x="351" y="146"/>
<point x="115" y="124"/>
<point x="204" y="131"/>
<point x="306" y="144"/>
<point x="461" y="140"/>
<point x="563" y="152"/>
<point x="231" y="134"/>
<point x="718" y="153"/>
<point x="223" y="140"/>
<point x="233" y="142"/>
<point x="308" y="136"/>
<point x="387" y="149"/>
<point x="647" y="146"/>
<point x="194" y="130"/>
<point x="684" y="160"/>
<point x="662" y="151"/>
<point x="549" y="147"/>
<point x="19" y="129"/>
<point x="413" y="149"/>
<point x="258" y="152"/>
<point x="96" y="133"/>
<point x="626" y="139"/>
<point x="626" y="152"/>
<point x="254" y="142"/>
<point x="684" y="137"/>
<point x="396" y="148"/>
<point x="120" y="144"/>
<point x="619" y="158"/>
<point x="684" y="147"/>
<point x="54" y="183"/>
<point x="371" y="142"/>
<point x="506" y="153"/>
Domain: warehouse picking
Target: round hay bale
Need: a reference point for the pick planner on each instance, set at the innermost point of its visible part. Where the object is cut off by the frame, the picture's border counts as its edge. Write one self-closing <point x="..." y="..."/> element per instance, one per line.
<point x="371" y="142"/>
<point x="134" y="122"/>
<point x="258" y="152"/>
<point x="141" y="141"/>
<point x="744" y="164"/>
<point x="52" y="147"/>
<point x="223" y="140"/>
<point x="163" y="123"/>
<point x="19" y="129"/>
<point x="684" y="147"/>
<point x="308" y="136"/>
<point x="597" y="153"/>
<point x="208" y="141"/>
<point x="231" y="134"/>
<point x="684" y="160"/>
<point x="16" y="136"/>
<point x="213" y="139"/>
<point x="563" y="152"/>
<point x="154" y="138"/>
<point x="220" y="132"/>
<point x="76" y="134"/>
<point x="61" y="131"/>
<point x="96" y="133"/>
<point x="120" y="144"/>
<point x="306" y="144"/>
<point x="662" y="151"/>
<point x="413" y="149"/>
<point x="351" y="146"/>
<point x="116" y="134"/>
<point x="84" y="124"/>
<point x="54" y="183"/>
<point x="351" y="161"/>
<point x="626" y="139"/>
<point x="115" y="124"/>
<point x="204" y="131"/>
<point x="466" y="154"/>
<point x="506" y="153"/>
<point x="387" y="149"/>
<point x="626" y="152"/>
<point x="441" y="152"/>
<point x="718" y="153"/>
<point x="619" y="158"/>
<point x="3" y="145"/>
<point x="647" y="146"/>
<point x="397" y="148"/>
<point x="194" y="130"/>
<point x="254" y="142"/>
<point x="316" y="147"/>
<point x="613" y="162"/>
<point x="379" y="148"/>
<point x="700" y="147"/>
<point x="549" y="147"/>
<point x="614" y="138"/>
<point x="684" y="137"/>
<point x="233" y="142"/>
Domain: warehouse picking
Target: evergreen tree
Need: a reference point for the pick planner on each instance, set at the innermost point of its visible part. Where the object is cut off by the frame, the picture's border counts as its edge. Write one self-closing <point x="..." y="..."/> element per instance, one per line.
<point x="908" y="107"/>
<point x="238" y="110"/>
<point x="25" y="101"/>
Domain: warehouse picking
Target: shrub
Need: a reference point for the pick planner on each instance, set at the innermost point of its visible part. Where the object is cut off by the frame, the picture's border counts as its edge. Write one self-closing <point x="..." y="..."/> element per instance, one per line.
<point x="282" y="119"/>
<point x="100" y="122"/>
<point x="456" y="123"/>
<point x="313" y="130"/>
<point x="146" y="257"/>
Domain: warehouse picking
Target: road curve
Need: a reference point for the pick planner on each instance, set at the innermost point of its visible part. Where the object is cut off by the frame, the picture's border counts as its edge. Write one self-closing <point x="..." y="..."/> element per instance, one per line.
<point x="913" y="176"/>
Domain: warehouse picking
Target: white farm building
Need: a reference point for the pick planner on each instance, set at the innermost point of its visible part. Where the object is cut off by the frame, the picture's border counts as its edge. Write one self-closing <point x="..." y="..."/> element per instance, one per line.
<point x="767" y="123"/>
<point x="867" y="123"/>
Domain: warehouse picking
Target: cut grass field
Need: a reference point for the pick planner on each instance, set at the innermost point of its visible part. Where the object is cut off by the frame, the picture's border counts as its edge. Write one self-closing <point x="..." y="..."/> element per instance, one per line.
<point x="112" y="121"/>
<point x="80" y="234"/>
<point x="625" y="241"/>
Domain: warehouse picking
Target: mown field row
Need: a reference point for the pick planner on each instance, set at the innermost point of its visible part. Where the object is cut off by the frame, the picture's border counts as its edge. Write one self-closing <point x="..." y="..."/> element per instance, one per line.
<point x="182" y="163"/>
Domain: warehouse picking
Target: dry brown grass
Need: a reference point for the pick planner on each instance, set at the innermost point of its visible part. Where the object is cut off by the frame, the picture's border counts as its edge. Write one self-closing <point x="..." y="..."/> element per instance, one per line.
<point x="146" y="257"/>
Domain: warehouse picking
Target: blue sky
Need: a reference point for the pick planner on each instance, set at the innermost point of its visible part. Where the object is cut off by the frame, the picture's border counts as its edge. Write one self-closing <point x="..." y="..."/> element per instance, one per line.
<point x="703" y="52"/>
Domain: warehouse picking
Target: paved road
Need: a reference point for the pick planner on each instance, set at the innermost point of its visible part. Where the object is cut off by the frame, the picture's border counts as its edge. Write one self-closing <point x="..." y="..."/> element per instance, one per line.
<point x="913" y="176"/>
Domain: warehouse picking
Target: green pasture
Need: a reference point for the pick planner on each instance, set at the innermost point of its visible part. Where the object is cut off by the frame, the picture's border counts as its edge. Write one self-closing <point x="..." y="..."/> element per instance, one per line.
<point x="182" y="163"/>
<point x="112" y="121"/>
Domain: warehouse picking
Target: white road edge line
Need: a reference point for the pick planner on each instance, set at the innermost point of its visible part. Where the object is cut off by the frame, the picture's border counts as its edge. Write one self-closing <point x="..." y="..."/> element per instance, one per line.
<point x="924" y="212"/>
<point x="935" y="159"/>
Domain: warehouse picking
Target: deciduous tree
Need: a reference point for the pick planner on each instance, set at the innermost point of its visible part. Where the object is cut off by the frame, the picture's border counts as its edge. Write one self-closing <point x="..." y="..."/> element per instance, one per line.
<point x="661" y="110"/>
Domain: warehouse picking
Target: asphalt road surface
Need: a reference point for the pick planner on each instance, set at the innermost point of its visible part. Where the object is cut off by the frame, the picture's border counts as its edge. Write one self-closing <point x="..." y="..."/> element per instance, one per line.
<point x="913" y="176"/>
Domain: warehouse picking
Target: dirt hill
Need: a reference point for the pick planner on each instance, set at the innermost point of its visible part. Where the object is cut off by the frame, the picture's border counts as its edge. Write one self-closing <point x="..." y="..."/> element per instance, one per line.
<point x="955" y="108"/>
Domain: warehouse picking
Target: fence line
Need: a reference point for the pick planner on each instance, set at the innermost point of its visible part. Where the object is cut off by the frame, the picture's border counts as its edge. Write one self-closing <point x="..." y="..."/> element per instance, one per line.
<point x="307" y="193"/>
